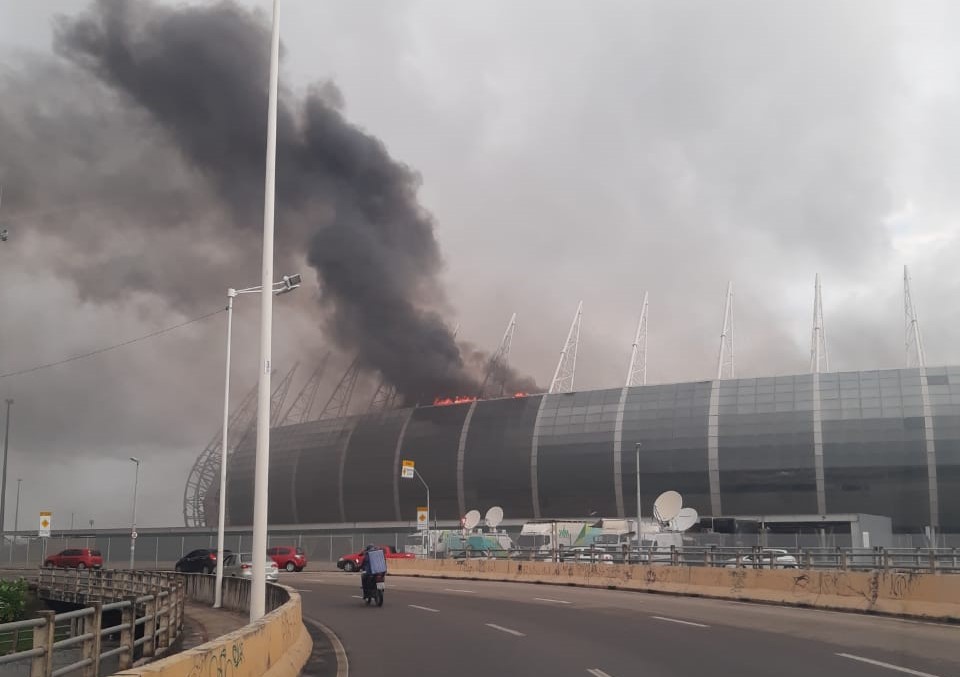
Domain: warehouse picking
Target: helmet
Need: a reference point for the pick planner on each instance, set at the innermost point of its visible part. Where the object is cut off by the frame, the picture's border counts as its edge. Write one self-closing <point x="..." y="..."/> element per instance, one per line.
<point x="369" y="547"/>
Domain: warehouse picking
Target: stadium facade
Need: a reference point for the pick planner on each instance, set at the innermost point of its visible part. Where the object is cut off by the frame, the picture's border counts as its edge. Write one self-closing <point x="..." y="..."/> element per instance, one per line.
<point x="880" y="442"/>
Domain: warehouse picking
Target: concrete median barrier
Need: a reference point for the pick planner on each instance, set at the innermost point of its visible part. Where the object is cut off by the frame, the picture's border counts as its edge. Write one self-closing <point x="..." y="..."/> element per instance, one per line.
<point x="278" y="645"/>
<point x="919" y="595"/>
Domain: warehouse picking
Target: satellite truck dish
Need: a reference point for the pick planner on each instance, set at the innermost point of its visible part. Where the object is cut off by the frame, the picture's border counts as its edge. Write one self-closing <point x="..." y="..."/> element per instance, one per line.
<point x="494" y="516"/>
<point x="685" y="519"/>
<point x="471" y="520"/>
<point x="667" y="506"/>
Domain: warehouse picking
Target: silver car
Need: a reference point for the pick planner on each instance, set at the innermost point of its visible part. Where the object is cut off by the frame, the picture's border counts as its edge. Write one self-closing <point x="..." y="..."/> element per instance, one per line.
<point x="769" y="558"/>
<point x="240" y="565"/>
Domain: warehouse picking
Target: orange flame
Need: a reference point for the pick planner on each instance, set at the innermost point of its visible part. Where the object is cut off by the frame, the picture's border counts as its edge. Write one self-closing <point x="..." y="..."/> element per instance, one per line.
<point x="459" y="399"/>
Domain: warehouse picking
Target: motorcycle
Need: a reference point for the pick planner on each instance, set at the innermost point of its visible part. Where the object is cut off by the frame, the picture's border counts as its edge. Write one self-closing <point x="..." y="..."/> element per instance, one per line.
<point x="373" y="587"/>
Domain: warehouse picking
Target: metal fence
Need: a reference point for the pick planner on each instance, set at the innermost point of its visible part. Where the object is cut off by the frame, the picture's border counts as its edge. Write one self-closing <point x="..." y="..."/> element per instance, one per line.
<point x="149" y="604"/>
<point x="147" y="617"/>
<point x="162" y="550"/>
<point x="921" y="560"/>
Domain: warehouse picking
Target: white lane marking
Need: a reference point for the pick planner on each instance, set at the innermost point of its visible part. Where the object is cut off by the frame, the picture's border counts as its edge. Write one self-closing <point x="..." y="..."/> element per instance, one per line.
<point x="423" y="608"/>
<point x="555" y="601"/>
<point x="456" y="590"/>
<point x="503" y="629"/>
<point x="677" y="620"/>
<point x="888" y="666"/>
<point x="357" y="596"/>
<point x="597" y="672"/>
<point x="343" y="664"/>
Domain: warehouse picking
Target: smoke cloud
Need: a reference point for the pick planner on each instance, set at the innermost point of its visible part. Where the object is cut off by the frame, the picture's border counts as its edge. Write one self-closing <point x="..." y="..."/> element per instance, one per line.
<point x="200" y="73"/>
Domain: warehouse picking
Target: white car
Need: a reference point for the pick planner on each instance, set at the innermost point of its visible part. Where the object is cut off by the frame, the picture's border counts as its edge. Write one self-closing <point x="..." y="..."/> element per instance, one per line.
<point x="240" y="565"/>
<point x="769" y="558"/>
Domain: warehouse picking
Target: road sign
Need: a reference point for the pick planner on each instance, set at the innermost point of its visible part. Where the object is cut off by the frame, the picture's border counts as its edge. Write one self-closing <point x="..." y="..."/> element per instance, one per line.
<point x="407" y="470"/>
<point x="422" y="518"/>
<point x="46" y="521"/>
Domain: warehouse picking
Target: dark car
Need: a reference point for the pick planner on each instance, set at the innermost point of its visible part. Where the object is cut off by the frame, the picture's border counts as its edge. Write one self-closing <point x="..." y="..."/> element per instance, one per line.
<point x="202" y="561"/>
<point x="288" y="557"/>
<point x="77" y="558"/>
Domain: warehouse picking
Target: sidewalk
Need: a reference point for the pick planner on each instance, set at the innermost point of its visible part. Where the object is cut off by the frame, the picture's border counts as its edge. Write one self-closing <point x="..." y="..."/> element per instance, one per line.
<point x="202" y="623"/>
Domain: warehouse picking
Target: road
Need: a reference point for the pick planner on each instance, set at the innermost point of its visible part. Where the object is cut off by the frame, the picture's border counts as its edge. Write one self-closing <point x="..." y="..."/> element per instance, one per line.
<point x="465" y="628"/>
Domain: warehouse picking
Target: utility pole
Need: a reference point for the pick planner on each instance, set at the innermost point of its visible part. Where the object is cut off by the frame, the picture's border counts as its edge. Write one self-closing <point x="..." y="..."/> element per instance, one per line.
<point x="16" y="521"/>
<point x="3" y="480"/>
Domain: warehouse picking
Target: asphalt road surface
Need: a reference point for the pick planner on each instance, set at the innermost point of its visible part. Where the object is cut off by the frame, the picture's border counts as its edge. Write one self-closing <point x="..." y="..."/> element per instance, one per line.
<point x="465" y="628"/>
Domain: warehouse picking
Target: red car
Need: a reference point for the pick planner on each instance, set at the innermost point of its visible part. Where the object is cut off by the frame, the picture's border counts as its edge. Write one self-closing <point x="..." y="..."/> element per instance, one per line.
<point x="75" y="558"/>
<point x="288" y="557"/>
<point x="354" y="561"/>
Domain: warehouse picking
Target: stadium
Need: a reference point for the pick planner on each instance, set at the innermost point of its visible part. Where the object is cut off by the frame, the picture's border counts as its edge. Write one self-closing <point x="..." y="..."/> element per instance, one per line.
<point x="881" y="442"/>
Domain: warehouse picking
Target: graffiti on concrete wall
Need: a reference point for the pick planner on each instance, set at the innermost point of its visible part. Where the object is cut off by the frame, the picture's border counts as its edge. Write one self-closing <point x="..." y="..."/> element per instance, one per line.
<point x="222" y="661"/>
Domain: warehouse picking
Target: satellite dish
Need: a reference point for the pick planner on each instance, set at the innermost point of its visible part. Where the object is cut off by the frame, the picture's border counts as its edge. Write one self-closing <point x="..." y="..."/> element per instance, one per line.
<point x="667" y="506"/>
<point x="471" y="520"/>
<point x="685" y="519"/>
<point x="494" y="516"/>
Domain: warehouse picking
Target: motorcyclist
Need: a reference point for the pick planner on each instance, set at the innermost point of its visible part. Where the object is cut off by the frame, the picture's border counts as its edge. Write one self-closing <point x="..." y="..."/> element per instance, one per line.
<point x="367" y="577"/>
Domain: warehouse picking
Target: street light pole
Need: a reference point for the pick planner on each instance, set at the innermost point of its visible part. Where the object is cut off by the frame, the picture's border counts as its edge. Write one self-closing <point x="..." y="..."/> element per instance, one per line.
<point x="222" y="517"/>
<point x="16" y="521"/>
<point x="133" y="520"/>
<point x="420" y="477"/>
<point x="3" y="480"/>
<point x="287" y="284"/>
<point x="258" y="586"/>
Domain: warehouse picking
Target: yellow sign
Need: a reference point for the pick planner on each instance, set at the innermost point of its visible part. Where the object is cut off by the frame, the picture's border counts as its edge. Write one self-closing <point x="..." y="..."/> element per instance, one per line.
<point x="46" y="521"/>
<point x="407" y="470"/>
<point x="422" y="518"/>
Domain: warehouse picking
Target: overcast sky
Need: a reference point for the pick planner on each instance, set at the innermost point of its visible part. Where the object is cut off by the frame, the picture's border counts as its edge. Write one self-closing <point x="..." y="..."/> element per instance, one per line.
<point x="568" y="151"/>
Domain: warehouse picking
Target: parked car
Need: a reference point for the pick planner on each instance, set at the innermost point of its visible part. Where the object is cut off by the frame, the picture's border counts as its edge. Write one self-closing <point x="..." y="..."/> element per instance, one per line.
<point x="203" y="560"/>
<point x="353" y="561"/>
<point x="769" y="558"/>
<point x="288" y="557"/>
<point x="75" y="558"/>
<point x="240" y="565"/>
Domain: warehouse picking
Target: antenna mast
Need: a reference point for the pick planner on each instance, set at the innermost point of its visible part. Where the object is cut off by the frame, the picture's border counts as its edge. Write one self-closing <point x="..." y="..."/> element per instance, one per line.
<point x="637" y="371"/>
<point x="725" y="360"/>
<point x="567" y="366"/>
<point x="819" y="358"/>
<point x="495" y="374"/>
<point x="913" y="341"/>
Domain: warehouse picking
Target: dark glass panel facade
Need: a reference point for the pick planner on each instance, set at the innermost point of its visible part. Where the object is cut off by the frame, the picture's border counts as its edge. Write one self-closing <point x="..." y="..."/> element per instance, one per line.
<point x="496" y="463"/>
<point x="765" y="446"/>
<point x="945" y="405"/>
<point x="239" y="484"/>
<point x="575" y="454"/>
<point x="670" y="421"/>
<point x="317" y="479"/>
<point x="432" y="441"/>
<point x="369" y="471"/>
<point x="874" y="452"/>
<point x="286" y="444"/>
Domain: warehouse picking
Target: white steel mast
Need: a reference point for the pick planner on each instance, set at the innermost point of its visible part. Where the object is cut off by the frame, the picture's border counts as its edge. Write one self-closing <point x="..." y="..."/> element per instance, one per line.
<point x="563" y="377"/>
<point x="913" y="340"/>
<point x="725" y="359"/>
<point x="819" y="358"/>
<point x="637" y="371"/>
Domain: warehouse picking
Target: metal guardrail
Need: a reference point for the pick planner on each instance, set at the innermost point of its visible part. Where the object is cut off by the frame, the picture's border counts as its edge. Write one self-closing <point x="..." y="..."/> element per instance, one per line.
<point x="920" y="560"/>
<point x="152" y="601"/>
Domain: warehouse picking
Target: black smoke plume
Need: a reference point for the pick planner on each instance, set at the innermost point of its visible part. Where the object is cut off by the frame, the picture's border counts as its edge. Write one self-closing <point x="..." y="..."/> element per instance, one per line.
<point x="201" y="74"/>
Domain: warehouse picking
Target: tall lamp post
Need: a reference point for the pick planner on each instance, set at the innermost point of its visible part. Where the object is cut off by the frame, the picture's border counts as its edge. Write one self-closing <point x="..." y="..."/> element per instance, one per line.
<point x="133" y="520"/>
<point x="261" y="473"/>
<point x="3" y="480"/>
<point x="287" y="284"/>
<point x="16" y="521"/>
